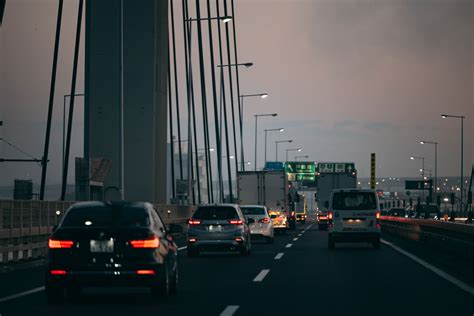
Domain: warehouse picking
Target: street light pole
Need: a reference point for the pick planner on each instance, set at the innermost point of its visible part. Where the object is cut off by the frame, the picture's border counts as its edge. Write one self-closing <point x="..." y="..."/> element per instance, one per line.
<point x="422" y="172"/>
<point x="270" y="130"/>
<point x="241" y="99"/>
<point x="256" y="122"/>
<point x="294" y="149"/>
<point x="304" y="157"/>
<point x="462" y="117"/>
<point x="436" y="164"/>
<point x="276" y="146"/>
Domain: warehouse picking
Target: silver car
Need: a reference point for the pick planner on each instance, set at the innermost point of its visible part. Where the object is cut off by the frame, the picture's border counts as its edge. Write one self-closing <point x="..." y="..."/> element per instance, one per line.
<point x="218" y="227"/>
<point x="263" y="224"/>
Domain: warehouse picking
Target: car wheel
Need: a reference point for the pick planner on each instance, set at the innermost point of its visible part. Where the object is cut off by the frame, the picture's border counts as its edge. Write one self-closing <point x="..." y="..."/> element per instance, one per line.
<point x="54" y="294"/>
<point x="73" y="293"/>
<point x="331" y="243"/>
<point x="193" y="252"/>
<point x="161" y="292"/>
<point x="269" y="240"/>
<point x="376" y="243"/>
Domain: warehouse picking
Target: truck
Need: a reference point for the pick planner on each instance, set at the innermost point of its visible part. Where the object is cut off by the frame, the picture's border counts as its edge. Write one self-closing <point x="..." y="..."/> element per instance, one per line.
<point x="331" y="176"/>
<point x="268" y="188"/>
<point x="301" y="208"/>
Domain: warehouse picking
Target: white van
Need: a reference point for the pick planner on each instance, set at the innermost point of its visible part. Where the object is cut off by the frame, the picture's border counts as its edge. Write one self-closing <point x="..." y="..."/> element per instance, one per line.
<point x="354" y="216"/>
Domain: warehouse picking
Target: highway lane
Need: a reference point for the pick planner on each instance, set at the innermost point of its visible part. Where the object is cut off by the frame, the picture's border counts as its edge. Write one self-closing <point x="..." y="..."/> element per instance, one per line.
<point x="278" y="279"/>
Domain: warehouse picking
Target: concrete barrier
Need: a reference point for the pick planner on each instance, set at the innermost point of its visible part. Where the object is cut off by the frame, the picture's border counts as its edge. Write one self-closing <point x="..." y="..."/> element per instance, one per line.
<point x="454" y="238"/>
<point x="26" y="225"/>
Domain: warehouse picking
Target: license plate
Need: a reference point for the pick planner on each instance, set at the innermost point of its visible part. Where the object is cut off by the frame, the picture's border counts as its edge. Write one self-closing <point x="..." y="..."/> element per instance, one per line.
<point x="216" y="229"/>
<point x="102" y="245"/>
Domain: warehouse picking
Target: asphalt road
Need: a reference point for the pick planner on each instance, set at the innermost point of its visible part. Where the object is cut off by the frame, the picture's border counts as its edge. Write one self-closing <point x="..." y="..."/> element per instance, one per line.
<point x="302" y="279"/>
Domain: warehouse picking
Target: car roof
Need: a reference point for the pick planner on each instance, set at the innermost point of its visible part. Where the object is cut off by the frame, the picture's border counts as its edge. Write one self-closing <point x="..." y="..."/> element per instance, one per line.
<point x="236" y="206"/>
<point x="249" y="205"/>
<point x="354" y="190"/>
<point x="117" y="204"/>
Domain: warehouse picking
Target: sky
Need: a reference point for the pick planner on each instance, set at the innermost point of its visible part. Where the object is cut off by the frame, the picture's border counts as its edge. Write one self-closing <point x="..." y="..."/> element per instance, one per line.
<point x="346" y="77"/>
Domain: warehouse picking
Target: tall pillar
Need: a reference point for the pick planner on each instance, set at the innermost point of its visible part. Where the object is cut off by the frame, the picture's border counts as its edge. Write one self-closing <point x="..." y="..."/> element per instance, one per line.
<point x="126" y="95"/>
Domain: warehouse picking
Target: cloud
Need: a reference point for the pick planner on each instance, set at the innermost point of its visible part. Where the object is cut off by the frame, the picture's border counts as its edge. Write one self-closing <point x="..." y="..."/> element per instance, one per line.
<point x="378" y="126"/>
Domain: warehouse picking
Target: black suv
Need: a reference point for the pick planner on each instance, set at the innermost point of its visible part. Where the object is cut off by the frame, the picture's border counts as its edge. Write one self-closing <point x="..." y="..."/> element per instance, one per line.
<point x="111" y="244"/>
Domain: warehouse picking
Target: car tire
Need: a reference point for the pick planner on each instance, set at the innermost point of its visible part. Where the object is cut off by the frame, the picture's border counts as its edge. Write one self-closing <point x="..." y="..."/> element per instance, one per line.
<point x="161" y="292"/>
<point x="74" y="293"/>
<point x="245" y="251"/>
<point x="193" y="252"/>
<point x="269" y="240"/>
<point x="54" y="295"/>
<point x="376" y="243"/>
<point x="331" y="243"/>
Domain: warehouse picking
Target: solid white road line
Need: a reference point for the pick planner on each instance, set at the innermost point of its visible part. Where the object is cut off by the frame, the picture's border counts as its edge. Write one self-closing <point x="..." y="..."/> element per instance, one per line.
<point x="295" y="239"/>
<point x="261" y="275"/>
<point x="182" y="248"/>
<point x="299" y="235"/>
<point x="288" y="246"/>
<point x="229" y="310"/>
<point x="279" y="255"/>
<point x="437" y="271"/>
<point x="14" y="296"/>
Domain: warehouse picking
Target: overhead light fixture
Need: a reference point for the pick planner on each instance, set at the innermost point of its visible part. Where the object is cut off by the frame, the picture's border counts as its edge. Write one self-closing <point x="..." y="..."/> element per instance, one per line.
<point x="226" y="19"/>
<point x="265" y="95"/>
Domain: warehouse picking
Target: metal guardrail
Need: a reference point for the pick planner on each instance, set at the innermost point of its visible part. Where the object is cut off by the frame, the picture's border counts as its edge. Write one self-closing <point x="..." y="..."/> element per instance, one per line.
<point x="449" y="237"/>
<point x="26" y="225"/>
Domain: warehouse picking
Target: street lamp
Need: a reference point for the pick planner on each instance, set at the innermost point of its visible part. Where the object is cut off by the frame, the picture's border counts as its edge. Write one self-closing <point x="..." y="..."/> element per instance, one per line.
<point x="423" y="142"/>
<point x="422" y="168"/>
<point x="270" y="130"/>
<point x="247" y="65"/>
<point x="294" y="149"/>
<point x="241" y="122"/>
<point x="256" y="122"/>
<point x="276" y="146"/>
<point x="461" y="117"/>
<point x="304" y="157"/>
<point x="224" y="19"/>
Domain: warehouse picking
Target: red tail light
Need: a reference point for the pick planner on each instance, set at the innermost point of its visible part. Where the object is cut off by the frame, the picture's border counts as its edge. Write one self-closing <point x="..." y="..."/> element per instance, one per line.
<point x="292" y="214"/>
<point x="236" y="222"/>
<point x="238" y="239"/>
<point x="264" y="220"/>
<point x="146" y="272"/>
<point x="58" y="272"/>
<point x="194" y="222"/>
<point x="56" y="244"/>
<point x="192" y="240"/>
<point x="330" y="215"/>
<point x="153" y="242"/>
<point x="377" y="215"/>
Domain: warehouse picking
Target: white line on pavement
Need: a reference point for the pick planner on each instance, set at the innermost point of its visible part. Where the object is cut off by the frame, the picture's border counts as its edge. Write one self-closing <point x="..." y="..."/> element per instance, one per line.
<point x="437" y="271"/>
<point x="299" y="235"/>
<point x="279" y="255"/>
<point x="261" y="275"/>
<point x="295" y="239"/>
<point x="288" y="246"/>
<point x="182" y="248"/>
<point x="14" y="296"/>
<point x="229" y="310"/>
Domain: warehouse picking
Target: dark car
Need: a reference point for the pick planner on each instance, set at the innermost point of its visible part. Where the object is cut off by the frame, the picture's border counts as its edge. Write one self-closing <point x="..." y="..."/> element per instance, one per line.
<point x="111" y="244"/>
<point x="219" y="227"/>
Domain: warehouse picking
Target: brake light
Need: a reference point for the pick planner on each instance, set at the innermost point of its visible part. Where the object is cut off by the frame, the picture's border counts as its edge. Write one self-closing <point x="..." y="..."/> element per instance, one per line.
<point x="154" y="242"/>
<point x="58" y="272"/>
<point x="192" y="240"/>
<point x="330" y="215"/>
<point x="146" y="272"/>
<point x="377" y="215"/>
<point x="238" y="239"/>
<point x="194" y="222"/>
<point x="236" y="222"/>
<point x="292" y="214"/>
<point x="264" y="220"/>
<point x="56" y="244"/>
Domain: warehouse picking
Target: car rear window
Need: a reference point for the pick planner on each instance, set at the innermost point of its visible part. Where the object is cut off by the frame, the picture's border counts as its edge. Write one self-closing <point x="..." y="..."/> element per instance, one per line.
<point x="106" y="217"/>
<point x="354" y="201"/>
<point x="215" y="213"/>
<point x="252" y="210"/>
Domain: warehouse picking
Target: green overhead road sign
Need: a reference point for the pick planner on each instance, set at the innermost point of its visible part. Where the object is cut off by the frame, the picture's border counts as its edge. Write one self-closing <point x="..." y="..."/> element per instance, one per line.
<point x="336" y="167"/>
<point x="303" y="167"/>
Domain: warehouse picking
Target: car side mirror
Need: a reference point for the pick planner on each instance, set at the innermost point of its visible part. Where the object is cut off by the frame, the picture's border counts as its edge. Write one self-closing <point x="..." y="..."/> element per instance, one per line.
<point x="250" y="221"/>
<point x="175" y="229"/>
<point x="326" y="204"/>
<point x="273" y="216"/>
